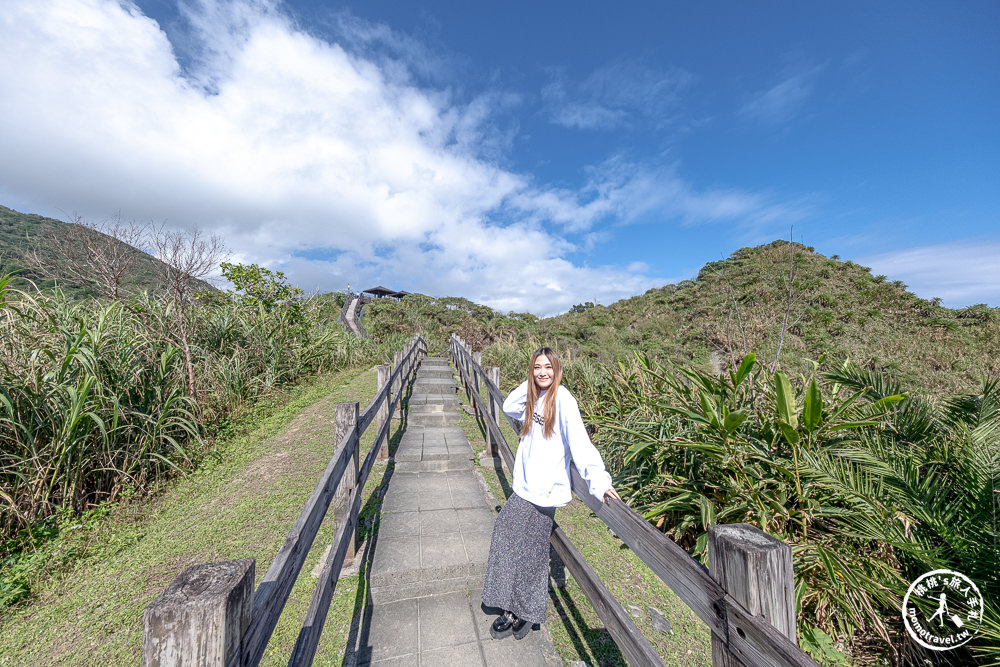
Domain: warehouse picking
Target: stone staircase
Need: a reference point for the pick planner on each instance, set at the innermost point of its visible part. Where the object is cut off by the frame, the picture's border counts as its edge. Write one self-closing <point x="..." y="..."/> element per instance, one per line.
<point x="432" y="545"/>
<point x="434" y="533"/>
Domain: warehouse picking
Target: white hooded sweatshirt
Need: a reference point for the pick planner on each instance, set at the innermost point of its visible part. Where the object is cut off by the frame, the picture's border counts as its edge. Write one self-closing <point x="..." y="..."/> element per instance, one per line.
<point x="541" y="467"/>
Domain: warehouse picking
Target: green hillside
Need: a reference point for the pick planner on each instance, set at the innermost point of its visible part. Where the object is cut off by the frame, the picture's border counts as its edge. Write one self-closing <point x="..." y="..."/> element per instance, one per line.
<point x="22" y="234"/>
<point x="834" y="308"/>
<point x="738" y="305"/>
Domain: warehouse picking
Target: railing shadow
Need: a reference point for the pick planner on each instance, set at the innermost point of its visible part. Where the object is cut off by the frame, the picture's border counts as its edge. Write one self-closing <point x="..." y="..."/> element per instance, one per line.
<point x="595" y="641"/>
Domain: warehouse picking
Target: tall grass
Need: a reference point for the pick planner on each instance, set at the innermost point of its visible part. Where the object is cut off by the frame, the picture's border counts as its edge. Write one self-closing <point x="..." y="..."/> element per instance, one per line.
<point x="90" y="404"/>
<point x="93" y="398"/>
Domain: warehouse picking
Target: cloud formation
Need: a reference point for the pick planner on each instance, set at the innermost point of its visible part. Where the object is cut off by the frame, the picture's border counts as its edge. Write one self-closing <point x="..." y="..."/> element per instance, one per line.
<point x="958" y="273"/>
<point x="325" y="159"/>
<point x="621" y="93"/>
<point x="782" y="101"/>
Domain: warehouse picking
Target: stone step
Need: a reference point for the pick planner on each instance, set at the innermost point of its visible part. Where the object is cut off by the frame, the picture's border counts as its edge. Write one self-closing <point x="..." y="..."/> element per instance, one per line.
<point x="434" y="403"/>
<point x="437" y="403"/>
<point x="389" y="593"/>
<point x="435" y="362"/>
<point x="452" y="463"/>
<point x="429" y="419"/>
<point x="435" y="386"/>
<point x="435" y="372"/>
<point x="445" y="443"/>
<point x="433" y="535"/>
<point x="439" y="453"/>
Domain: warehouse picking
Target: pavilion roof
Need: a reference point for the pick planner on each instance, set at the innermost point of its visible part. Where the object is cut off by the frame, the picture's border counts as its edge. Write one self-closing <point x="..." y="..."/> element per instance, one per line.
<point x="380" y="291"/>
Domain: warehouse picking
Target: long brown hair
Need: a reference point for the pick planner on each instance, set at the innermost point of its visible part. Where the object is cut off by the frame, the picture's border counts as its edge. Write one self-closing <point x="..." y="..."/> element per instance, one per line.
<point x="549" y="406"/>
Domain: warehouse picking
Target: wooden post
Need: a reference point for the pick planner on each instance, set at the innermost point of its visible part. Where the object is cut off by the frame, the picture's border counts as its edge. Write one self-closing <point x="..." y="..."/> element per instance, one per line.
<point x="493" y="375"/>
<point x="397" y="362"/>
<point x="756" y="570"/>
<point x="478" y="358"/>
<point x="384" y="372"/>
<point x="200" y="618"/>
<point x="345" y="422"/>
<point x="464" y="355"/>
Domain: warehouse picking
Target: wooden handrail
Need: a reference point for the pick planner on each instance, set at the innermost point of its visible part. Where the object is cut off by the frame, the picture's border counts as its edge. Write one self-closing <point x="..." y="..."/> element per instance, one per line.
<point x="748" y="638"/>
<point x="173" y="632"/>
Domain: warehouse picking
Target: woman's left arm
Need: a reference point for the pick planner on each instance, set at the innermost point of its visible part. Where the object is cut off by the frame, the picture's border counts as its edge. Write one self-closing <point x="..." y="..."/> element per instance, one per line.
<point x="585" y="456"/>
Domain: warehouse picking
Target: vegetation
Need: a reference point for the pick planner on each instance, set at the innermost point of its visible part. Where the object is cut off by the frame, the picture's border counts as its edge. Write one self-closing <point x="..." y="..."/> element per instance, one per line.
<point x="787" y="304"/>
<point x="240" y="503"/>
<point x="877" y="461"/>
<point x="97" y="403"/>
<point x="78" y="257"/>
<point x="870" y="487"/>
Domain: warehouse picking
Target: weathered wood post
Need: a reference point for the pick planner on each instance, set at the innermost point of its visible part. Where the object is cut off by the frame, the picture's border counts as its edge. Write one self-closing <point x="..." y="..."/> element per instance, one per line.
<point x="492" y="446"/>
<point x="345" y="423"/>
<point x="460" y="359"/>
<point x="478" y="358"/>
<point x="397" y="362"/>
<point x="384" y="372"/>
<point x="466" y="380"/>
<point x="200" y="618"/>
<point x="756" y="570"/>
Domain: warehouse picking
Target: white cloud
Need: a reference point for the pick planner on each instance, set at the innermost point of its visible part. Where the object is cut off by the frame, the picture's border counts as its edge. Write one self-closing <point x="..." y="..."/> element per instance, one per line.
<point x="285" y="142"/>
<point x="615" y="95"/>
<point x="959" y="273"/>
<point x="782" y="101"/>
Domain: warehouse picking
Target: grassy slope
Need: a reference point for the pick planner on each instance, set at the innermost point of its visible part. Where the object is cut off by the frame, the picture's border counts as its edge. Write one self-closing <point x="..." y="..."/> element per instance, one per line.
<point x="838" y="309"/>
<point x="240" y="507"/>
<point x="576" y="630"/>
<point x="21" y="232"/>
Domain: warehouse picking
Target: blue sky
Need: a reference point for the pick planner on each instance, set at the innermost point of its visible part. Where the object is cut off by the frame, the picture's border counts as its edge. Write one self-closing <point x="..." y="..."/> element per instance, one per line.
<point x="525" y="155"/>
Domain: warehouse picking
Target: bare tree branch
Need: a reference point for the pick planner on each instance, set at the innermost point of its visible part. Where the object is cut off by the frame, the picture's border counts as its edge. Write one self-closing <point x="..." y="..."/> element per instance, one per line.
<point x="101" y="255"/>
<point x="186" y="257"/>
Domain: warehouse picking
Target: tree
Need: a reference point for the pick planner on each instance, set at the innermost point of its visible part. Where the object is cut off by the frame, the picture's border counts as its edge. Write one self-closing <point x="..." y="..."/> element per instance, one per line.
<point x="257" y="286"/>
<point x="99" y="255"/>
<point x="186" y="256"/>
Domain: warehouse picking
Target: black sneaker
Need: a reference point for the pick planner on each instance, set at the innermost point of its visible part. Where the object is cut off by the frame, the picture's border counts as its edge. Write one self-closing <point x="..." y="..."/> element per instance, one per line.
<point x="503" y="626"/>
<point x="521" y="628"/>
<point x="508" y="624"/>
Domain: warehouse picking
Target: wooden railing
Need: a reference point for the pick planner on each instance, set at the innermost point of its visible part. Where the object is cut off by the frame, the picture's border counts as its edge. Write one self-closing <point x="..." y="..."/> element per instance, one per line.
<point x="747" y="598"/>
<point x="210" y="614"/>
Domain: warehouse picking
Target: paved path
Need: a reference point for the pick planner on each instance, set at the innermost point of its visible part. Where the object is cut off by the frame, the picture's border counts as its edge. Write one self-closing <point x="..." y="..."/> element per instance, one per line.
<point x="430" y="552"/>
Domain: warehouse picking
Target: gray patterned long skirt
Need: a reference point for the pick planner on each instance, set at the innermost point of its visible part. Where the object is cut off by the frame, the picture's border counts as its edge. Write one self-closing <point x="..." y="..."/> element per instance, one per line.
<point x="517" y="571"/>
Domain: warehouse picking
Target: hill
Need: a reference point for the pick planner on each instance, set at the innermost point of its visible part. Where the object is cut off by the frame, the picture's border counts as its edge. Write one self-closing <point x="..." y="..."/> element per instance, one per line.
<point x="23" y="235"/>
<point x="784" y="299"/>
<point x="758" y="299"/>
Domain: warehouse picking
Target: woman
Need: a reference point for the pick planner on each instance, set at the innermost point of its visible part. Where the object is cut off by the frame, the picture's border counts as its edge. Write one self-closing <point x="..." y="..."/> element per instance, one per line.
<point x="518" y="567"/>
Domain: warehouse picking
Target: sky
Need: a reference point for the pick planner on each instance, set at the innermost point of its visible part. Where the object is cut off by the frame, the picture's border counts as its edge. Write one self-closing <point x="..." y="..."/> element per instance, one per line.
<point x="528" y="156"/>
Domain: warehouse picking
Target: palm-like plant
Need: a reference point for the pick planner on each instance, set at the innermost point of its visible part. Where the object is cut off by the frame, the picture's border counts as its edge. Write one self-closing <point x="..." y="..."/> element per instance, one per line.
<point x="870" y="488"/>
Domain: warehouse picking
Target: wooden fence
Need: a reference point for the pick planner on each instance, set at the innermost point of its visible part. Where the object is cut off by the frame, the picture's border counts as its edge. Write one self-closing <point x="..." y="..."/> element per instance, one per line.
<point x="747" y="598"/>
<point x="210" y="614"/>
